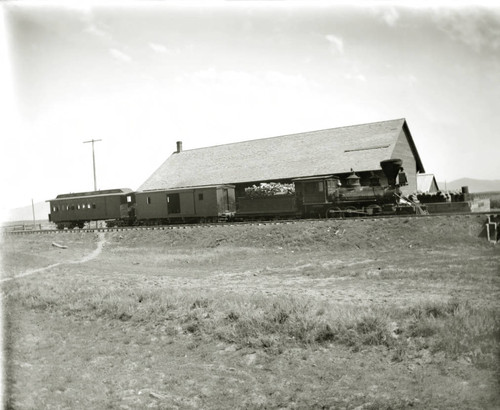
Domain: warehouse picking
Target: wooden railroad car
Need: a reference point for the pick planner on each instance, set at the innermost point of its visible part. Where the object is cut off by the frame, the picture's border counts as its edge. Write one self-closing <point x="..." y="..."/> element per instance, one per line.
<point x="115" y="206"/>
<point x="185" y="205"/>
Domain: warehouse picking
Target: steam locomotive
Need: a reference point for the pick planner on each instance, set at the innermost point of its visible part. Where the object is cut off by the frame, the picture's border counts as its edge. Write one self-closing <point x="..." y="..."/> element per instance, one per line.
<point x="314" y="197"/>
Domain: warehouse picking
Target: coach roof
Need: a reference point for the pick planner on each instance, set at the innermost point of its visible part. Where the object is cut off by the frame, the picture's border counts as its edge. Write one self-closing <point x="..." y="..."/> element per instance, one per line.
<point x="324" y="152"/>
<point x="92" y="194"/>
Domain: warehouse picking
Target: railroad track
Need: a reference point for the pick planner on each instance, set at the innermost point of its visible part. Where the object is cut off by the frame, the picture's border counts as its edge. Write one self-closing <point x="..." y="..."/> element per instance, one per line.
<point x="495" y="214"/>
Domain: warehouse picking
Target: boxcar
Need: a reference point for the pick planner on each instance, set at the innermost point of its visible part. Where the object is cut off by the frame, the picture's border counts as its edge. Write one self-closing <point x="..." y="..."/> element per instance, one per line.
<point x="115" y="206"/>
<point x="185" y="205"/>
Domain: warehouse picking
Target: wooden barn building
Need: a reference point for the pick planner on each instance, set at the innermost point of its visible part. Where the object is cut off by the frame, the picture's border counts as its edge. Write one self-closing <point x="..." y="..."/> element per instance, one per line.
<point x="334" y="151"/>
<point x="427" y="183"/>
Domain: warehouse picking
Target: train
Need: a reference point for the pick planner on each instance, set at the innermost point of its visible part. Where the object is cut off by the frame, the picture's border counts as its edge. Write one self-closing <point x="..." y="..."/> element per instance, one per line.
<point x="312" y="197"/>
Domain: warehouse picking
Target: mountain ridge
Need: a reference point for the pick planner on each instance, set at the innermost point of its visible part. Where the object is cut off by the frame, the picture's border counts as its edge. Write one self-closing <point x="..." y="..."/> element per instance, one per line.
<point x="474" y="185"/>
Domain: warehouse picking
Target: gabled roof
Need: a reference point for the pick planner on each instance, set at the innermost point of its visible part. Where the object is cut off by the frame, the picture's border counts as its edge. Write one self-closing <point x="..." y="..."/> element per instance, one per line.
<point x="426" y="183"/>
<point x="324" y="152"/>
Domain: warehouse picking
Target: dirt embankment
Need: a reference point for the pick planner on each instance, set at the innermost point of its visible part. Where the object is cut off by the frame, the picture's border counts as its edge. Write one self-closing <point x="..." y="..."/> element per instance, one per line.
<point x="382" y="234"/>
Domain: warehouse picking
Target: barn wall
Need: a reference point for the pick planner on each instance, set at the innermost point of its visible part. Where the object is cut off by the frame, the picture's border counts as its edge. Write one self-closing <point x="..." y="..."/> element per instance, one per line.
<point x="403" y="151"/>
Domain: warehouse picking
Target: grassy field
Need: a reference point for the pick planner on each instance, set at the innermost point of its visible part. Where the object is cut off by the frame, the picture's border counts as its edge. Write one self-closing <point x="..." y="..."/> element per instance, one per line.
<point x="373" y="314"/>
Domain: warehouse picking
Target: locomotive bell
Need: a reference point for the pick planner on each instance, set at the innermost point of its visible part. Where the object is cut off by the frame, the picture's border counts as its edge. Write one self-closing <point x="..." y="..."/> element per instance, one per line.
<point x="391" y="168"/>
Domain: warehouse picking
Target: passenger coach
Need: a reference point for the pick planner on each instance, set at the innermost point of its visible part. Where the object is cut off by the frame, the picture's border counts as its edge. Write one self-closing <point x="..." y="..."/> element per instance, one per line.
<point x="115" y="206"/>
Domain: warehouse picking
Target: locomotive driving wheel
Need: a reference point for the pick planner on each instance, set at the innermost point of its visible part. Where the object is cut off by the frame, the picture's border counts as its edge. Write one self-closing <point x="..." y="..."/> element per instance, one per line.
<point x="373" y="209"/>
<point x="334" y="212"/>
<point x="350" y="211"/>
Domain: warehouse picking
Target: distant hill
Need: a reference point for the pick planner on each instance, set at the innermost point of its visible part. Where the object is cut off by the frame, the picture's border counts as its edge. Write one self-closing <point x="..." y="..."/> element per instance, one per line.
<point x="475" y="185"/>
<point x="25" y="213"/>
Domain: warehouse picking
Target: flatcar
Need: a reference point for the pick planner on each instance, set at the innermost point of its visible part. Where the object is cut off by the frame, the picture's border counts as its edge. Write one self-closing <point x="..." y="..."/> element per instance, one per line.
<point x="185" y="205"/>
<point x="115" y="206"/>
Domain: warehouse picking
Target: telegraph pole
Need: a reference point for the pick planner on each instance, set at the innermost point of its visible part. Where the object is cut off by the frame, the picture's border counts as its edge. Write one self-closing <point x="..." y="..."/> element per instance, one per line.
<point x="33" y="209"/>
<point x="93" y="159"/>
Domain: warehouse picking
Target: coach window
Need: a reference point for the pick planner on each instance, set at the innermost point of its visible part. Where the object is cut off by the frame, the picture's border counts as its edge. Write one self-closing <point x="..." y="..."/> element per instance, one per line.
<point x="320" y="186"/>
<point x="129" y="198"/>
<point x="148" y="200"/>
<point x="93" y="206"/>
<point x="200" y="197"/>
<point x="78" y="206"/>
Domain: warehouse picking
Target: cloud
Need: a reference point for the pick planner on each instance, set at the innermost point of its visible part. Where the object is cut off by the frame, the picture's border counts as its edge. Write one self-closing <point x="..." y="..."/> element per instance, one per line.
<point x="337" y="42"/>
<point x="289" y="80"/>
<point x="477" y="28"/>
<point x="242" y="79"/>
<point x="158" y="48"/>
<point x="95" y="31"/>
<point x="390" y="16"/>
<point x="359" y="77"/>
<point x="120" y="55"/>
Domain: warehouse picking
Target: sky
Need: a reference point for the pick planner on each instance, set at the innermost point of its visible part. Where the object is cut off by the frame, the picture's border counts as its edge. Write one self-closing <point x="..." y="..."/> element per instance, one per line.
<point x="141" y="75"/>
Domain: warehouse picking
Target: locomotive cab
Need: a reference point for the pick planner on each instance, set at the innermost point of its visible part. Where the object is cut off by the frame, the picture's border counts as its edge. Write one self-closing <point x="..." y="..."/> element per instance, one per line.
<point x="315" y="193"/>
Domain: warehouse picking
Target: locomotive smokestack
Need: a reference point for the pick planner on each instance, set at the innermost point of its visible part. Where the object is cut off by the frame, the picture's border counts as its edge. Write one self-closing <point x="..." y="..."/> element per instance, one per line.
<point x="179" y="147"/>
<point x="391" y="168"/>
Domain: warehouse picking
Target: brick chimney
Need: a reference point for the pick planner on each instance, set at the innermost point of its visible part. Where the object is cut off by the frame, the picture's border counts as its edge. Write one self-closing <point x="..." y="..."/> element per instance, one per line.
<point x="179" y="147"/>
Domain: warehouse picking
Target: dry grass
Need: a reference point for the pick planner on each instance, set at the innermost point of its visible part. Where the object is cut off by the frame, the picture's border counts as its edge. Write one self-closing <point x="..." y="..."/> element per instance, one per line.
<point x="374" y="314"/>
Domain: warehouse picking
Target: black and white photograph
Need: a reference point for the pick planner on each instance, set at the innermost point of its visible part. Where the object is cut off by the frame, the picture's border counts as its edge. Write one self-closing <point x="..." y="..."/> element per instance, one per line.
<point x="250" y="204"/>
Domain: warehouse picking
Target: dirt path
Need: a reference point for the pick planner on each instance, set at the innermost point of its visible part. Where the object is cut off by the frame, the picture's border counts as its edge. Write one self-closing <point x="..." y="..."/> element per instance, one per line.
<point x="94" y="254"/>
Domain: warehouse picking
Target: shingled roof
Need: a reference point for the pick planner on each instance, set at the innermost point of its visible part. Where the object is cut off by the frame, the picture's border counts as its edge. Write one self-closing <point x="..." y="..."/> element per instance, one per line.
<point x="324" y="152"/>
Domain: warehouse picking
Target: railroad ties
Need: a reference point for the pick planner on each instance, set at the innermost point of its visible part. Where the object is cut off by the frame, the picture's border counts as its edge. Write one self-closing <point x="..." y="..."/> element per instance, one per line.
<point x="492" y="225"/>
<point x="144" y="228"/>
